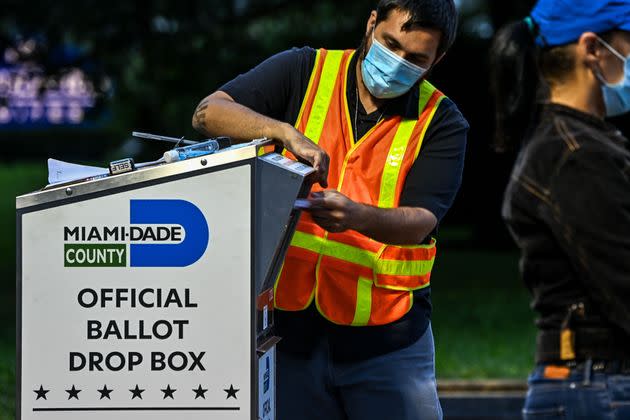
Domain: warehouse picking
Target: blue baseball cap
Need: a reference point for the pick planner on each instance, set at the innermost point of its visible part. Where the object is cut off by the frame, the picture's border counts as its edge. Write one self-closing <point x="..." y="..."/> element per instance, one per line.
<point x="562" y="22"/>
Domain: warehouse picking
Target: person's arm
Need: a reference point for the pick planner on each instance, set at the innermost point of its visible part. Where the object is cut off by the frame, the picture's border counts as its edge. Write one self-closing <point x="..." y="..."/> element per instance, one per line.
<point x="335" y="212"/>
<point x="260" y="103"/>
<point x="429" y="191"/>
<point x="219" y="115"/>
<point x="590" y="205"/>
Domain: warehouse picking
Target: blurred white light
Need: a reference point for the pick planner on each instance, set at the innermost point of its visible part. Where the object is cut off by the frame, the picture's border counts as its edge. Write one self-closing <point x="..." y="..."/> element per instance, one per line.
<point x="27" y="47"/>
<point x="479" y="26"/>
<point x="11" y="56"/>
<point x="75" y="114"/>
<point x="164" y="25"/>
<point x="55" y="114"/>
<point x="37" y="111"/>
<point x="5" y="115"/>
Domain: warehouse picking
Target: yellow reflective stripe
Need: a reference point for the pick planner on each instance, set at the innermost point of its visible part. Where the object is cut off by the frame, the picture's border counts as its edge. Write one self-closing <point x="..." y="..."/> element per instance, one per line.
<point x="425" y="246"/>
<point x="275" y="285"/>
<point x="359" y="256"/>
<point x="275" y="291"/>
<point x="349" y="253"/>
<point x="346" y="108"/>
<point x="318" y="57"/>
<point x="335" y="249"/>
<point x="426" y="91"/>
<point x="391" y="172"/>
<point x="307" y="241"/>
<point x="323" y="96"/>
<point x="404" y="268"/>
<point x="401" y="288"/>
<point x="427" y="124"/>
<point x="364" y="302"/>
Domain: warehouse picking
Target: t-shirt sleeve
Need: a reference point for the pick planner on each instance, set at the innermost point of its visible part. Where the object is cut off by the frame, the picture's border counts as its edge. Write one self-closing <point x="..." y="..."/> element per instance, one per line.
<point x="436" y="175"/>
<point x="273" y="87"/>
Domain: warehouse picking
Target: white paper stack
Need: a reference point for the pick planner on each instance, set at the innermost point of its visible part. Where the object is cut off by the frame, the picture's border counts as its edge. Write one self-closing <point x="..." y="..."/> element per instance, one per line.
<point x="59" y="171"/>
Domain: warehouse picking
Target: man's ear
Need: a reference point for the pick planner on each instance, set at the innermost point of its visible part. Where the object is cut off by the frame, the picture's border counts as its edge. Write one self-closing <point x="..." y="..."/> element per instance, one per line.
<point x="370" y="23"/>
<point x="588" y="49"/>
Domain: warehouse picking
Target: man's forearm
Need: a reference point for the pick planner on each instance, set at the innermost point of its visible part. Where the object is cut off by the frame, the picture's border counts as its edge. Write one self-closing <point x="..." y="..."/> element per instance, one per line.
<point x="399" y="226"/>
<point x="219" y="115"/>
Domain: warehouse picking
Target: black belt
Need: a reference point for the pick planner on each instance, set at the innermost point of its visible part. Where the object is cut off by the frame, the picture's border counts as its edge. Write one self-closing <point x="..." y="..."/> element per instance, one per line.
<point x="621" y="367"/>
<point x="590" y="343"/>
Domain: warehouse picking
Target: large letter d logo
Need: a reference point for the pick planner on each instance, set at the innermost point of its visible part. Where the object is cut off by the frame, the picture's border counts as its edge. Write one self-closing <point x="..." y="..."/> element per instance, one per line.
<point x="173" y="212"/>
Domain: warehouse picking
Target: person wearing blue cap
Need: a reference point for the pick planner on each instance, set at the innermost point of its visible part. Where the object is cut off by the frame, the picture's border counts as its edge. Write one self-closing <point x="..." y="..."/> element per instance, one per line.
<point x="555" y="77"/>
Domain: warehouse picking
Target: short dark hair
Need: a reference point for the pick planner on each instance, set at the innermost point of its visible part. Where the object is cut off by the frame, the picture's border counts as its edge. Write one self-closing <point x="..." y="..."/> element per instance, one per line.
<point x="431" y="14"/>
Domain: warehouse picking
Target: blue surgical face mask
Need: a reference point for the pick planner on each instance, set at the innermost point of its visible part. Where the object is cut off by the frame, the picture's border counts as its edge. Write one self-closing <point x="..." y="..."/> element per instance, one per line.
<point x="617" y="95"/>
<point x="385" y="74"/>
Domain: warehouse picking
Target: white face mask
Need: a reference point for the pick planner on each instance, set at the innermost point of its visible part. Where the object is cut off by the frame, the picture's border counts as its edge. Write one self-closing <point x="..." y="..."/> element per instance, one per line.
<point x="616" y="95"/>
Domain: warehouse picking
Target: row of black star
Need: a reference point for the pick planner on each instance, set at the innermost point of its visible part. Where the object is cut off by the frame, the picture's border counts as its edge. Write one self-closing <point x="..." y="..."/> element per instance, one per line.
<point x="135" y="393"/>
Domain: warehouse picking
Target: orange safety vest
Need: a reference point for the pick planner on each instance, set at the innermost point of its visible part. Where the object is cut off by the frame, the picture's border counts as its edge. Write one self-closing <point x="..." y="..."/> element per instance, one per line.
<point x="353" y="279"/>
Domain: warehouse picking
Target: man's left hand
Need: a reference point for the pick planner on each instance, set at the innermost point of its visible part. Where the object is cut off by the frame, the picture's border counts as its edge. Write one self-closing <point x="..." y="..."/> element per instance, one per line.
<point x="333" y="211"/>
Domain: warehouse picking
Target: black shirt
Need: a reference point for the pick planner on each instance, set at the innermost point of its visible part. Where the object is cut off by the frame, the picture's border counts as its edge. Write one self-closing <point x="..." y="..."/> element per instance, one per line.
<point x="568" y="208"/>
<point x="276" y="88"/>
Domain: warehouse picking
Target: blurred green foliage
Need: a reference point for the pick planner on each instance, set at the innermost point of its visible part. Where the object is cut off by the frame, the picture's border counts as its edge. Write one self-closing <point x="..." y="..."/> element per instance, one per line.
<point x="482" y="323"/>
<point x="15" y="179"/>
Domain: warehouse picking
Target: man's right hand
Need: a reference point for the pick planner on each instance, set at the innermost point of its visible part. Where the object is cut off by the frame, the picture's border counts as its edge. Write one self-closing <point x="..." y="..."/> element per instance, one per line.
<point x="304" y="148"/>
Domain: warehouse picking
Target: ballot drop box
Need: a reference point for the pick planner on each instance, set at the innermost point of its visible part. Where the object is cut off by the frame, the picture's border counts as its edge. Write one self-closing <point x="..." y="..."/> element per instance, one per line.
<point x="148" y="295"/>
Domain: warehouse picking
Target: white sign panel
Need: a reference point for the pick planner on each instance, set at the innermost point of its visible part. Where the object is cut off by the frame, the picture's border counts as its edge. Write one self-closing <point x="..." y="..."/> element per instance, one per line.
<point x="137" y="304"/>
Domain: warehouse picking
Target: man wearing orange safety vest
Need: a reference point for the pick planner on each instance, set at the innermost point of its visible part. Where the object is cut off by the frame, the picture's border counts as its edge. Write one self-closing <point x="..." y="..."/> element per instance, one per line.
<point x="353" y="295"/>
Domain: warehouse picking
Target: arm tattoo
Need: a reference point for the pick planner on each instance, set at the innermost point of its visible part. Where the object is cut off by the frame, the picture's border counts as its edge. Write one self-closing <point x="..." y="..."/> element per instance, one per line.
<point x="200" y="115"/>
